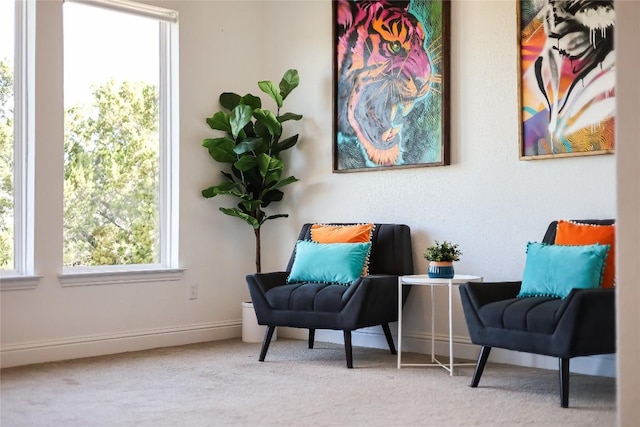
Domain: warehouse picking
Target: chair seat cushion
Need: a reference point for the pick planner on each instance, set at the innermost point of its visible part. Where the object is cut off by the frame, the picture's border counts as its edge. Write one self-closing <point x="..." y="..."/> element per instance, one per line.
<point x="318" y="297"/>
<point x="534" y="314"/>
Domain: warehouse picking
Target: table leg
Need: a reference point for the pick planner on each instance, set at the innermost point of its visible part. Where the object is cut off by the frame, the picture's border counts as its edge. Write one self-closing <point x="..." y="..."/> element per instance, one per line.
<point x="433" y="323"/>
<point x="399" y="321"/>
<point x="450" y="332"/>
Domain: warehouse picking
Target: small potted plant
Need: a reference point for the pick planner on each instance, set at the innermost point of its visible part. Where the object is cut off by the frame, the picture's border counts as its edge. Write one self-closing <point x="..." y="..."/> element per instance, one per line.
<point x="441" y="257"/>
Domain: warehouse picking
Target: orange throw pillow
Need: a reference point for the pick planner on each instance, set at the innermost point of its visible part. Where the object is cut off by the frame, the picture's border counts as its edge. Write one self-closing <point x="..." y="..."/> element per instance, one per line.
<point x="360" y="233"/>
<point x="572" y="233"/>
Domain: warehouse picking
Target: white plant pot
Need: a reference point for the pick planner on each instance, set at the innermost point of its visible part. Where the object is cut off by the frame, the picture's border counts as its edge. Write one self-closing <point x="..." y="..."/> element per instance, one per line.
<point x="251" y="331"/>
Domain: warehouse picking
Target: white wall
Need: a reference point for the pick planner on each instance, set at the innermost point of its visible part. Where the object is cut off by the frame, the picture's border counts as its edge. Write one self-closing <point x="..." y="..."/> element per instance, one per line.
<point x="487" y="200"/>
<point x="216" y="44"/>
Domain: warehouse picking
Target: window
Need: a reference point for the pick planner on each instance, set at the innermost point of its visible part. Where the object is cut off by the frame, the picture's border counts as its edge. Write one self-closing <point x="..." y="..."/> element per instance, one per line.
<point x="17" y="40"/>
<point x="121" y="136"/>
<point x="7" y="29"/>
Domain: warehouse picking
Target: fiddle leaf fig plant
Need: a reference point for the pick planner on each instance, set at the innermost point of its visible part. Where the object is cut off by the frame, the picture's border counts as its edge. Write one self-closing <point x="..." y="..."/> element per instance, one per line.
<point x="250" y="148"/>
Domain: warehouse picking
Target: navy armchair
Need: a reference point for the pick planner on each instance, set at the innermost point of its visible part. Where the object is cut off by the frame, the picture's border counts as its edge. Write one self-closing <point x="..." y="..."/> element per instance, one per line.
<point x="582" y="324"/>
<point x="369" y="301"/>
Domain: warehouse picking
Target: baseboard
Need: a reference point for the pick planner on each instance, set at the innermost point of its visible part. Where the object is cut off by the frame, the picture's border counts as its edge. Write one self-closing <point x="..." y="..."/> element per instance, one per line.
<point x="416" y="342"/>
<point x="98" y="345"/>
<point x="602" y="365"/>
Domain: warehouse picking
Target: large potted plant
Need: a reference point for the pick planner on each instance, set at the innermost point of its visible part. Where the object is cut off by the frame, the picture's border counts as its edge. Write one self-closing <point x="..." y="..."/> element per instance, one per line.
<point x="250" y="149"/>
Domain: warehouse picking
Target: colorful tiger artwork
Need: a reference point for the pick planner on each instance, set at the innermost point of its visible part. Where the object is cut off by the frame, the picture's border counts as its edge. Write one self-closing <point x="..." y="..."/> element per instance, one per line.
<point x="384" y="73"/>
<point x="568" y="64"/>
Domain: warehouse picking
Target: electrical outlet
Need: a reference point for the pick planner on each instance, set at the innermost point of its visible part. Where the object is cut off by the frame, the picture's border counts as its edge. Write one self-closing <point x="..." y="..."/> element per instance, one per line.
<point x="193" y="291"/>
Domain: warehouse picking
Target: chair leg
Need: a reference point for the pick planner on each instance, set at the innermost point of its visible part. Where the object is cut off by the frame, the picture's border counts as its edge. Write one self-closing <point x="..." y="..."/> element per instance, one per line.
<point x="564" y="382"/>
<point x="348" y="349"/>
<point x="265" y="343"/>
<point x="482" y="361"/>
<point x="312" y="337"/>
<point x="387" y="334"/>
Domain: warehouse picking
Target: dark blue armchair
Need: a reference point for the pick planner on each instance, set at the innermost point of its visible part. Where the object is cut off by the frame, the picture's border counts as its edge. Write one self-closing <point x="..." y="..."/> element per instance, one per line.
<point x="369" y="301"/>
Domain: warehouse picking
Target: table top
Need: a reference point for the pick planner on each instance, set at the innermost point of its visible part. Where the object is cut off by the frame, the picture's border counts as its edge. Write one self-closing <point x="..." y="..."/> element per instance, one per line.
<point x="424" y="279"/>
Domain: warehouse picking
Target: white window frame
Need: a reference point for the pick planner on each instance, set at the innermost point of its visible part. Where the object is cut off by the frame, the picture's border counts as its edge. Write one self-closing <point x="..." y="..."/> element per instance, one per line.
<point x="22" y="275"/>
<point x="168" y="269"/>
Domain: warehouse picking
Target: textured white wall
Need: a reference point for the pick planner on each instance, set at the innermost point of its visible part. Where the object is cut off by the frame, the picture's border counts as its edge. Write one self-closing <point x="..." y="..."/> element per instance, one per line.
<point x="487" y="200"/>
<point x="217" y="40"/>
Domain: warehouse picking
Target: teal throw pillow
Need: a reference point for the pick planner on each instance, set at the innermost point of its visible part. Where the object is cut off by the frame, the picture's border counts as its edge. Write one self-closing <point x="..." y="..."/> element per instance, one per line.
<point x="328" y="263"/>
<point x="553" y="270"/>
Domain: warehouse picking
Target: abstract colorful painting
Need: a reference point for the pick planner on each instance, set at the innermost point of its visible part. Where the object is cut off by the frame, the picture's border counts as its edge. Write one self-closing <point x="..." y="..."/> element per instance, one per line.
<point x="391" y="95"/>
<point x="567" y="77"/>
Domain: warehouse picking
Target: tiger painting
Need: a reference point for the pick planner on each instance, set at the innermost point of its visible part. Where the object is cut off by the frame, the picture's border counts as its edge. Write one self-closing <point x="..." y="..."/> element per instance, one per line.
<point x="385" y="74"/>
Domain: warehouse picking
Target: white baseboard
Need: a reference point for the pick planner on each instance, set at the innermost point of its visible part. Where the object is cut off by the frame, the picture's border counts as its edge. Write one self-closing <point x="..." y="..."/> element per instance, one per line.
<point x="416" y="342"/>
<point x="98" y="345"/>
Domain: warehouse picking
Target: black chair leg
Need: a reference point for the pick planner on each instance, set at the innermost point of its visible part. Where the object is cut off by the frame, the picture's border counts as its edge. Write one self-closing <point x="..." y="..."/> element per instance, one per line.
<point x="265" y="343"/>
<point x="387" y="334"/>
<point x="348" y="349"/>
<point x="482" y="361"/>
<point x="564" y="382"/>
<point x="312" y="337"/>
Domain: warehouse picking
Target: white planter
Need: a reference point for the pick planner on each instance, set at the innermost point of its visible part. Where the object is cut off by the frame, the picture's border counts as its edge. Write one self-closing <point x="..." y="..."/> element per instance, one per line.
<point x="251" y="331"/>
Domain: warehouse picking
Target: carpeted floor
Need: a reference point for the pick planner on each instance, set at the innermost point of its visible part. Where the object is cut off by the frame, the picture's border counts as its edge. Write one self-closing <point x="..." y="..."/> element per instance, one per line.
<point x="222" y="384"/>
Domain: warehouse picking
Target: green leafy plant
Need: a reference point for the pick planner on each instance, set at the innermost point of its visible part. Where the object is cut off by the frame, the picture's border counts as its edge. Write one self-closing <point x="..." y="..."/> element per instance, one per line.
<point x="251" y="147"/>
<point x="445" y="251"/>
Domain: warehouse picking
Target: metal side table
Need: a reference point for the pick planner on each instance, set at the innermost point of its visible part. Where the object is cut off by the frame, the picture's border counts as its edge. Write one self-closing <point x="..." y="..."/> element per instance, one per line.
<point x="424" y="280"/>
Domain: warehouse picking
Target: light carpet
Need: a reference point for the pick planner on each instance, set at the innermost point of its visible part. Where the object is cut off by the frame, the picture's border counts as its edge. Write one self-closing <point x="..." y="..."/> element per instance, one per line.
<point x="221" y="383"/>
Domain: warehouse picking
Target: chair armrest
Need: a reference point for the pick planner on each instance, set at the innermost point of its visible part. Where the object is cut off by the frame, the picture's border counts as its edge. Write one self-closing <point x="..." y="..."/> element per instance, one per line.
<point x="259" y="284"/>
<point x="372" y="300"/>
<point x="482" y="293"/>
<point x="588" y="318"/>
<point x="388" y="283"/>
<point x="265" y="281"/>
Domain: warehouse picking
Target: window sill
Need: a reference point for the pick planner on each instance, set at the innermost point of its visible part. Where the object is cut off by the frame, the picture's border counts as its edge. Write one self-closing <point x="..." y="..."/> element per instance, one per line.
<point x="96" y="278"/>
<point x="18" y="283"/>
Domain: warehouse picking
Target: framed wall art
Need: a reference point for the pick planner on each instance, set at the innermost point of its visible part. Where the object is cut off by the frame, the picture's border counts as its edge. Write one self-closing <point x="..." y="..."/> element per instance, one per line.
<point x="566" y="77"/>
<point x="391" y="84"/>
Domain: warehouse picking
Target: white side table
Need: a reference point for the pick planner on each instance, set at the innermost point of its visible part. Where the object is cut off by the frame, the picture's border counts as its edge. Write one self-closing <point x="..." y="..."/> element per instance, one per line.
<point x="424" y="280"/>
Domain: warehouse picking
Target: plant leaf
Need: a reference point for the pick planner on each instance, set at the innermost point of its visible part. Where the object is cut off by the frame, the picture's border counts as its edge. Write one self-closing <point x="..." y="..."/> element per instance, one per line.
<point x="268" y="164"/>
<point x="245" y="163"/>
<point x="289" y="82"/>
<point x="274" y="217"/>
<point x="229" y="100"/>
<point x="285" y="144"/>
<point x="286" y="181"/>
<point x="221" y="149"/>
<point x="271" y="196"/>
<point x="268" y="87"/>
<point x="263" y="132"/>
<point x="239" y="214"/>
<point x="248" y="206"/>
<point x="249" y="144"/>
<point x="239" y="117"/>
<point x="252" y="101"/>
<point x="289" y="116"/>
<point x="269" y="120"/>
<point x="222" y="188"/>
<point x="220" y="121"/>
